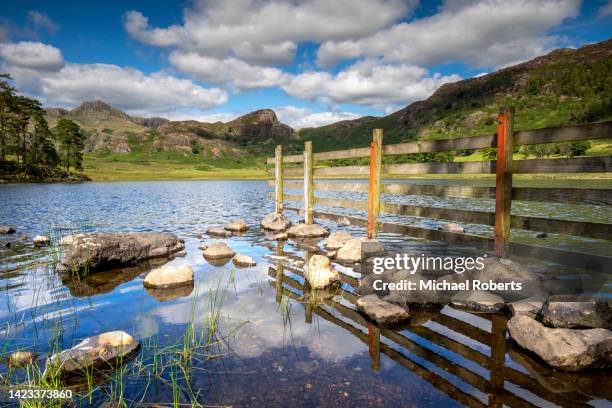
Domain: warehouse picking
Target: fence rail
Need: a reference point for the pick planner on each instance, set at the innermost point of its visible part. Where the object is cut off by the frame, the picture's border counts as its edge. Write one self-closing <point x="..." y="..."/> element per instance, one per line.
<point x="504" y="167"/>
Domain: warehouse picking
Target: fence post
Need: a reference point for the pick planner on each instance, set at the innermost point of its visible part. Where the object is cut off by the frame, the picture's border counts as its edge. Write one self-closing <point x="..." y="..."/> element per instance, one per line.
<point x="375" y="176"/>
<point x="497" y="361"/>
<point x="374" y="346"/>
<point x="503" y="180"/>
<point x="308" y="184"/>
<point x="278" y="175"/>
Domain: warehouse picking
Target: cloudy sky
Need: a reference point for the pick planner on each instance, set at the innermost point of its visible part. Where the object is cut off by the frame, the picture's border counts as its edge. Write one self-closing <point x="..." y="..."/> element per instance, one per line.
<point x="313" y="61"/>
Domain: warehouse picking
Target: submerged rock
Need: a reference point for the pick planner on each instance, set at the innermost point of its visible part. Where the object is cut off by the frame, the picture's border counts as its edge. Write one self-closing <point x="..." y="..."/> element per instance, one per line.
<point x="21" y="358"/>
<point x="320" y="273"/>
<point x="5" y="229"/>
<point x="244" y="260"/>
<point x="573" y="312"/>
<point x="41" y="240"/>
<point x="237" y="226"/>
<point x="358" y="249"/>
<point x="103" y="251"/>
<point x="92" y="351"/>
<point x="218" y="250"/>
<point x="382" y="312"/>
<point x="478" y="301"/>
<point x="452" y="227"/>
<point x="169" y="276"/>
<point x="307" y="231"/>
<point x="336" y="240"/>
<point x="275" y="222"/>
<point x="218" y="232"/>
<point x="565" y="349"/>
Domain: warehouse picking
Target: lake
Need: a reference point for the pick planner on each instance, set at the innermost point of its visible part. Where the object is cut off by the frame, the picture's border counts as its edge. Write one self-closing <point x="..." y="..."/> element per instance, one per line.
<point x="246" y="337"/>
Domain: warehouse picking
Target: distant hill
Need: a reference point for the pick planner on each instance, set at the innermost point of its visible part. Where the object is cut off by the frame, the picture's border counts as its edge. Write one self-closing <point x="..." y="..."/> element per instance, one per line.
<point x="566" y="86"/>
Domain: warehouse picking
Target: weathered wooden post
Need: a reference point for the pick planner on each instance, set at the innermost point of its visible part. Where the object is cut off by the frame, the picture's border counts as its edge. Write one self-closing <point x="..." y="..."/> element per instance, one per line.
<point x="498" y="359"/>
<point x="374" y="346"/>
<point x="280" y="271"/>
<point x="503" y="180"/>
<point x="308" y="184"/>
<point x="375" y="176"/>
<point x="278" y="175"/>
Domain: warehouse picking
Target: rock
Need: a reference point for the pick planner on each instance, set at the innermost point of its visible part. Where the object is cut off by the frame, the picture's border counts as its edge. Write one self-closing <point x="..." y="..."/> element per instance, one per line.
<point x="542" y="235"/>
<point x="478" y="301"/>
<point x="41" y="240"/>
<point x="501" y="270"/>
<point x="8" y="245"/>
<point x="21" y="358"/>
<point x="218" y="232"/>
<point x="307" y="231"/>
<point x="218" y="250"/>
<point x="103" y="251"/>
<point x="452" y="227"/>
<point x="417" y="298"/>
<point x="67" y="240"/>
<point x="336" y="240"/>
<point x="237" y="226"/>
<point x="320" y="273"/>
<point x="383" y="313"/>
<point x="281" y="236"/>
<point x="275" y="222"/>
<point x="572" y="312"/>
<point x="169" y="276"/>
<point x="527" y="307"/>
<point x="92" y="351"/>
<point x="24" y="237"/>
<point x="5" y="229"/>
<point x="166" y="294"/>
<point x="244" y="260"/>
<point x="357" y="249"/>
<point x="565" y="349"/>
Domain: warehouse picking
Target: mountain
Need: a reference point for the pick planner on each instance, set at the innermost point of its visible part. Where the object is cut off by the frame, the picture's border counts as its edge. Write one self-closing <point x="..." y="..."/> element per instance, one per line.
<point x="565" y="86"/>
<point x="112" y="131"/>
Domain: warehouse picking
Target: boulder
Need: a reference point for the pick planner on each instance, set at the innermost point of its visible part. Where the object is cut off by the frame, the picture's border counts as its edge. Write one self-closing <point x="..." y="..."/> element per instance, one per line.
<point x="320" y="273"/>
<point x="5" y="229"/>
<point x="103" y="251"/>
<point x="169" y="276"/>
<point x="501" y="270"/>
<point x="528" y="307"/>
<point x="452" y="227"/>
<point x="307" y="231"/>
<point x="237" y="226"/>
<point x="41" y="240"/>
<point x="98" y="350"/>
<point x="275" y="222"/>
<point x="336" y="240"/>
<point x="572" y="312"/>
<point x="478" y="301"/>
<point x="417" y="298"/>
<point x="218" y="250"/>
<point x="383" y="313"/>
<point x="358" y="249"/>
<point x="218" y="232"/>
<point x="244" y="260"/>
<point x="67" y="240"/>
<point x="21" y="358"/>
<point x="565" y="349"/>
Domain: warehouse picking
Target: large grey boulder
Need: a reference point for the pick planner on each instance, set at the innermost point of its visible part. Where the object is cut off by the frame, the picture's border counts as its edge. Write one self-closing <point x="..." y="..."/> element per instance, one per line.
<point x="337" y="239"/>
<point x="307" y="231"/>
<point x="478" y="301"/>
<point x="169" y="276"/>
<point x="572" y="312"/>
<point x="5" y="229"/>
<point x="275" y="222"/>
<point x="237" y="226"/>
<point x="358" y="249"/>
<point x="320" y="273"/>
<point x="565" y="349"/>
<point x="218" y="250"/>
<point x="98" y="350"/>
<point x="383" y="313"/>
<point x="97" y="252"/>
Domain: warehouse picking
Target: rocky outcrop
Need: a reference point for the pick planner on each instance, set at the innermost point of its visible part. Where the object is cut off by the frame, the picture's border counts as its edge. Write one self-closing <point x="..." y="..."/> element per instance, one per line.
<point x="358" y="249"/>
<point x="307" y="231"/>
<point x="565" y="349"/>
<point x="566" y="311"/>
<point x="218" y="232"/>
<point x="103" y="251"/>
<point x="243" y="261"/>
<point x="237" y="226"/>
<point x="101" y="350"/>
<point x="478" y="301"/>
<point x="169" y="276"/>
<point x="276" y="222"/>
<point x="383" y="313"/>
<point x="337" y="240"/>
<point x="5" y="229"/>
<point x="218" y="250"/>
<point x="320" y="273"/>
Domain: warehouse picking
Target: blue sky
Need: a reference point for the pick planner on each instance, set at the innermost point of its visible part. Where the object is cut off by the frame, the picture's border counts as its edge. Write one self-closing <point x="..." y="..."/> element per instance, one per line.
<point x="313" y="61"/>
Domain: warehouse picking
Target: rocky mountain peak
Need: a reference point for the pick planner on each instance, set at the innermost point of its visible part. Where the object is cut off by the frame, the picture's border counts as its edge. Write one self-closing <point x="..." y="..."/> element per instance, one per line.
<point x="98" y="107"/>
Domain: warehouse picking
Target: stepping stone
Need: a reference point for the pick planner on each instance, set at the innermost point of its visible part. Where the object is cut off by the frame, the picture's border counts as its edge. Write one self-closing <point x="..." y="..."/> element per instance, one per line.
<point x="169" y="276"/>
<point x="383" y="313"/>
<point x="573" y="312"/>
<point x="244" y="261"/>
<point x="237" y="226"/>
<point x="218" y="250"/>
<point x="307" y="231"/>
<point x="218" y="232"/>
<point x="358" y="249"/>
<point x="320" y="273"/>
<point x="478" y="301"/>
<point x="336" y="240"/>
<point x="275" y="222"/>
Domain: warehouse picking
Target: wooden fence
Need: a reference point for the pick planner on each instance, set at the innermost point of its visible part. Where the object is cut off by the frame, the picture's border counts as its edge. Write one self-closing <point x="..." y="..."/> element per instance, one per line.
<point x="504" y="193"/>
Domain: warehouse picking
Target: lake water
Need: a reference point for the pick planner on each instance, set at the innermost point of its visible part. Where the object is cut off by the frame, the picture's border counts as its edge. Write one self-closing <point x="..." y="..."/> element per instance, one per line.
<point x="245" y="337"/>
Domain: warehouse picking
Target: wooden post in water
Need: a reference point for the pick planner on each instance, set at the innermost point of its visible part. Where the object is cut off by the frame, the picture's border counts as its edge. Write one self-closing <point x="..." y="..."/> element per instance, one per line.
<point x="308" y="184"/>
<point x="280" y="270"/>
<point x="503" y="180"/>
<point x="374" y="346"/>
<point x="278" y="176"/>
<point x="498" y="359"/>
<point x="375" y="176"/>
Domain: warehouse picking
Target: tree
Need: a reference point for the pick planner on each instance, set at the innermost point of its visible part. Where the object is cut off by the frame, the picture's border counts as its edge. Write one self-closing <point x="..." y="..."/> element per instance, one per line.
<point x="7" y="93"/>
<point x="72" y="143"/>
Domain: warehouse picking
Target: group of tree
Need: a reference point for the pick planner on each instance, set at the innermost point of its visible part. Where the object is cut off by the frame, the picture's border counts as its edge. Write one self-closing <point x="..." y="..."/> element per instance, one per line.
<point x="25" y="137"/>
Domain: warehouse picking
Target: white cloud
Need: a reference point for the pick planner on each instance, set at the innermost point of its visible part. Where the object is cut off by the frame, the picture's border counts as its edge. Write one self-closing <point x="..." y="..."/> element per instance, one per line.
<point x="42" y="21"/>
<point x="606" y="9"/>
<point x="32" y="55"/>
<point x="202" y="116"/>
<point x="268" y="31"/>
<point x="482" y="33"/>
<point x="299" y="118"/>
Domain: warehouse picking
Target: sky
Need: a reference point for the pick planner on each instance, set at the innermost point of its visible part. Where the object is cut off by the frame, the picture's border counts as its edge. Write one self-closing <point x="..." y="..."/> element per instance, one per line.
<point x="314" y="62"/>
